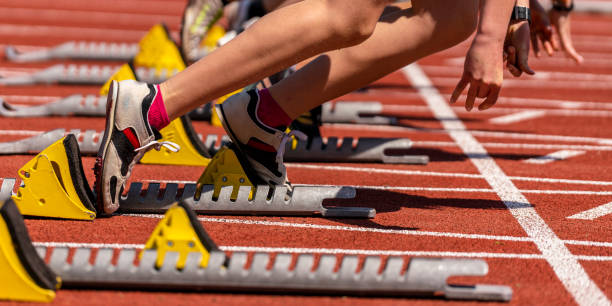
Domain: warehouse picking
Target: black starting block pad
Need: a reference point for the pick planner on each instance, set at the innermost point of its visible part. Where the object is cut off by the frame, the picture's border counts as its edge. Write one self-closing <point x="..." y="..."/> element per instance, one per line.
<point x="302" y="200"/>
<point x="76" y="50"/>
<point x="84" y="74"/>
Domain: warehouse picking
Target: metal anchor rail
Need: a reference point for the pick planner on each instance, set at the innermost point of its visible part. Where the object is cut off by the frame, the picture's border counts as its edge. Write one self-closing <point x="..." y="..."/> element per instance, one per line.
<point x="423" y="277"/>
<point x="83" y="74"/>
<point x="78" y="50"/>
<point x="316" y="149"/>
<point x="302" y="200"/>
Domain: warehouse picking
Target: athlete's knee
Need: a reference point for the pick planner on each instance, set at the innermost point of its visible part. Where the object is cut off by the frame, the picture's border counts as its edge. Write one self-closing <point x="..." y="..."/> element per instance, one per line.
<point x="351" y="22"/>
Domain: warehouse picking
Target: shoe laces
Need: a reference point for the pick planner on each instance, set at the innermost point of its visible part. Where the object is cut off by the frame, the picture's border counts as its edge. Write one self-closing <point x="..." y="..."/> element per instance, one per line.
<point x="283" y="144"/>
<point x="157" y="145"/>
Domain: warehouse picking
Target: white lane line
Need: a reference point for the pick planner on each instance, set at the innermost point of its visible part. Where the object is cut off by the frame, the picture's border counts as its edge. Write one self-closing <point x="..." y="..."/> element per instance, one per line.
<point x="552" y="103"/>
<point x="455" y="71"/>
<point x="503" y="110"/>
<point x="67" y="31"/>
<point x="19" y="132"/>
<point x="377" y="94"/>
<point x="492" y="134"/>
<point x="553" y="62"/>
<point x="593" y="213"/>
<point x="554" y="156"/>
<point x="539" y="84"/>
<point x="509" y="145"/>
<point x="445" y="174"/>
<point x="518" y="117"/>
<point x="565" y="265"/>
<point x="374" y="230"/>
<point x="428" y="189"/>
<point x="334" y="251"/>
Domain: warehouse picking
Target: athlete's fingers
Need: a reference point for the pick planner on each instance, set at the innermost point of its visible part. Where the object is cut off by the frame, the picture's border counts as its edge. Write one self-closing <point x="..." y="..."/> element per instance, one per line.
<point x="522" y="59"/>
<point x="491" y="98"/>
<point x="548" y="46"/>
<point x="459" y="89"/>
<point x="514" y="71"/>
<point x="483" y="91"/>
<point x="471" y="95"/>
<point x="512" y="55"/>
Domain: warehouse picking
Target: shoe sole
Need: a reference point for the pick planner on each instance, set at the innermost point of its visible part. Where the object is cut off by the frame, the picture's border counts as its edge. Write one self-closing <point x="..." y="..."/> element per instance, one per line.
<point x="111" y="105"/>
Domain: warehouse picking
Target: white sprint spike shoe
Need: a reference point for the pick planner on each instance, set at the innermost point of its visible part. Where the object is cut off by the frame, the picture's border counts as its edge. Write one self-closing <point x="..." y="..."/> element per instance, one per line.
<point x="127" y="137"/>
<point x="262" y="145"/>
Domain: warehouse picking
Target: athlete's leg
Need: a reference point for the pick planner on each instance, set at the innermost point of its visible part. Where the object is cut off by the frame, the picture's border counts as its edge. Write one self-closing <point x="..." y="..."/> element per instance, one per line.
<point x="279" y="40"/>
<point x="400" y="38"/>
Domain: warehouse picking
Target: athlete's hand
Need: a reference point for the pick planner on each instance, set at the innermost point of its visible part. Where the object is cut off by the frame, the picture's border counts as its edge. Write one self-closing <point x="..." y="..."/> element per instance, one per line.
<point x="541" y="30"/>
<point x="483" y="72"/>
<point x="516" y="48"/>
<point x="561" y="24"/>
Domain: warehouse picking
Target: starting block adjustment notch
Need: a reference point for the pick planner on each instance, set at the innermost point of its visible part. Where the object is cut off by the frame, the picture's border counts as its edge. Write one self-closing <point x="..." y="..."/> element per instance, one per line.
<point x="179" y="231"/>
<point x="54" y="184"/>
<point x="24" y="275"/>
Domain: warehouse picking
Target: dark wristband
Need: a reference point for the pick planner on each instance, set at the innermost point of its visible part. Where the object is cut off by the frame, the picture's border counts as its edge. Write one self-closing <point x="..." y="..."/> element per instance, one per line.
<point x="521" y="13"/>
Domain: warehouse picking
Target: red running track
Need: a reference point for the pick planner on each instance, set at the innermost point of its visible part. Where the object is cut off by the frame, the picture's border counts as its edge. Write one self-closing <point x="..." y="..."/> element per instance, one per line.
<point x="446" y="208"/>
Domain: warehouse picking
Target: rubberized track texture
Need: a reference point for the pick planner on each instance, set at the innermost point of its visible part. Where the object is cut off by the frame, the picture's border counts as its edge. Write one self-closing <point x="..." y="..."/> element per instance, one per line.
<point x="525" y="185"/>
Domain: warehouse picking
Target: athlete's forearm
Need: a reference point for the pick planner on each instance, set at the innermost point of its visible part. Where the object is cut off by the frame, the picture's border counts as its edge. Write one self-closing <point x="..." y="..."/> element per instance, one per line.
<point x="494" y="18"/>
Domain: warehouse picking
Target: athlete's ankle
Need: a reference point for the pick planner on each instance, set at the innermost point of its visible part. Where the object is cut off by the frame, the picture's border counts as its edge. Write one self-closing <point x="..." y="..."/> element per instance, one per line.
<point x="157" y="116"/>
<point x="270" y="113"/>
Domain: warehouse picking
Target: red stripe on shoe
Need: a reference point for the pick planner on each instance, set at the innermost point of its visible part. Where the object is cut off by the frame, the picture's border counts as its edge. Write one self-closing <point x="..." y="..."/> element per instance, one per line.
<point x="131" y="136"/>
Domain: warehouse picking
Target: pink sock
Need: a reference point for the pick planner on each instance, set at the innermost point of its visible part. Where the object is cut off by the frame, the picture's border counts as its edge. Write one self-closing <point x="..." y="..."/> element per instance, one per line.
<point x="270" y="113"/>
<point x="158" y="118"/>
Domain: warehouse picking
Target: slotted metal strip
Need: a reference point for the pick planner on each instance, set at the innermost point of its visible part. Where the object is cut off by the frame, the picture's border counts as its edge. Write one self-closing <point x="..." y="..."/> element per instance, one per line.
<point x="355" y="112"/>
<point x="79" y="50"/>
<point x="79" y="105"/>
<point x="304" y="200"/>
<point x="424" y="276"/>
<point x="83" y="74"/>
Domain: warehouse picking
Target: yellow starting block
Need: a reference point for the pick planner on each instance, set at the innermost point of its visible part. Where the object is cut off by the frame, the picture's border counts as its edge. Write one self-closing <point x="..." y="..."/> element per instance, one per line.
<point x="158" y="50"/>
<point x="192" y="153"/>
<point x="225" y="169"/>
<point x="23" y="274"/>
<point x="54" y="184"/>
<point x="180" y="231"/>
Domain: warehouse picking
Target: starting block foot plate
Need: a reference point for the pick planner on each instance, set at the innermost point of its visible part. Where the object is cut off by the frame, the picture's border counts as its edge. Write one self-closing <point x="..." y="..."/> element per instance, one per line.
<point x="54" y="184"/>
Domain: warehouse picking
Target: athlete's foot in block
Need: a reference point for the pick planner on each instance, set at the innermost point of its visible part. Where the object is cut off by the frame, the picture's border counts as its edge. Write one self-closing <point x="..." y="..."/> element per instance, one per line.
<point x="261" y="141"/>
<point x="127" y="136"/>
